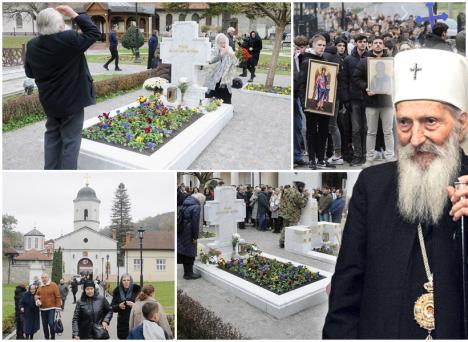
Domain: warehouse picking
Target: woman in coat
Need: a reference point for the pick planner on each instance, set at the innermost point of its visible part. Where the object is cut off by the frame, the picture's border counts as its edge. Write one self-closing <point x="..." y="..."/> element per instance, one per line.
<point x="219" y="80"/>
<point x="90" y="309"/>
<point x="31" y="313"/>
<point x="274" y="208"/>
<point x="136" y="315"/>
<point x="123" y="299"/>
<point x="254" y="204"/>
<point x="255" y="46"/>
<point x="187" y="236"/>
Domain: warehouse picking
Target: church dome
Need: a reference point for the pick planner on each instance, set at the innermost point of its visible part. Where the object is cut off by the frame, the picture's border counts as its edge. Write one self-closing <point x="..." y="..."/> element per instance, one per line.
<point x="86" y="193"/>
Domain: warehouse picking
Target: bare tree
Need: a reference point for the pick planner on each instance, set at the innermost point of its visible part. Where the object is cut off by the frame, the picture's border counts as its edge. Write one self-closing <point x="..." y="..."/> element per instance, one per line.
<point x="28" y="10"/>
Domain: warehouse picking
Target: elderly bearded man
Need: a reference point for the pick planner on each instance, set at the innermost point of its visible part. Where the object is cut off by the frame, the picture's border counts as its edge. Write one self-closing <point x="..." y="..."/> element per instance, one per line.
<point x="56" y="60"/>
<point x="399" y="271"/>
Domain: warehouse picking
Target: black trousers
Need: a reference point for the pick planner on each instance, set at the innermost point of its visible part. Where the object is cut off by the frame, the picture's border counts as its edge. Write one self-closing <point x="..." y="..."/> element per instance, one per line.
<point x="220" y="93"/>
<point x="114" y="55"/>
<point x="317" y="132"/>
<point x="62" y="141"/>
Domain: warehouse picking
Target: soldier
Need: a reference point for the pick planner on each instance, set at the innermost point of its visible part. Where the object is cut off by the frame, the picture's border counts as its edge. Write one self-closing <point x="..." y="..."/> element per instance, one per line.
<point x="292" y="201"/>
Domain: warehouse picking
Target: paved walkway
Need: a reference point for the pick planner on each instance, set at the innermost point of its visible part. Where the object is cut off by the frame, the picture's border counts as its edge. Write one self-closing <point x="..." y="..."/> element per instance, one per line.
<point x="67" y="316"/>
<point x="258" y="136"/>
<point x="252" y="322"/>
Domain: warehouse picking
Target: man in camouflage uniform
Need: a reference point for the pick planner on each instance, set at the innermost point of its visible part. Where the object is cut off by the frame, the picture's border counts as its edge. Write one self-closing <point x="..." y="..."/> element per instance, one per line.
<point x="292" y="201"/>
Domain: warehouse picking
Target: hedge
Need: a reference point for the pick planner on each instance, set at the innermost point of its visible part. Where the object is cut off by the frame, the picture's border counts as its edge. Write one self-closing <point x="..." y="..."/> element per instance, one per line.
<point x="18" y="108"/>
<point x="194" y="322"/>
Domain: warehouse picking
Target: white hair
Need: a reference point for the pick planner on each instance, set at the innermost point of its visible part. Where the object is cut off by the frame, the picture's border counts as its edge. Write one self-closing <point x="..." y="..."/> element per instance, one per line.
<point x="231" y="29"/>
<point x="50" y="21"/>
<point x="422" y="189"/>
<point x="221" y="37"/>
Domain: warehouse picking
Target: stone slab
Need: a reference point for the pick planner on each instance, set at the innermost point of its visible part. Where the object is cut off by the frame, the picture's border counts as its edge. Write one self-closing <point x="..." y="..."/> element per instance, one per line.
<point x="326" y="258"/>
<point x="177" y="154"/>
<point x="279" y="306"/>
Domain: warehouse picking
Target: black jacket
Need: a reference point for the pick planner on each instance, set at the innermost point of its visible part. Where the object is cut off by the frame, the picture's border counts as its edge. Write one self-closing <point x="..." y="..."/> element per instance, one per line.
<point x="89" y="311"/>
<point x="349" y="90"/>
<point x="263" y="203"/>
<point x="256" y="45"/>
<point x="19" y="293"/>
<point x="338" y="59"/>
<point x="378" y="250"/>
<point x="191" y="225"/>
<point x="359" y="81"/>
<point x="433" y="41"/>
<point x="302" y="83"/>
<point x="123" y="315"/>
<point x="58" y="65"/>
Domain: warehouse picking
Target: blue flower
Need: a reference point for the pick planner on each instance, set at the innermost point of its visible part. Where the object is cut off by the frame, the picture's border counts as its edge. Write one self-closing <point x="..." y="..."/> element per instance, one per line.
<point x="125" y="125"/>
<point x="167" y="131"/>
<point x="149" y="145"/>
<point x="129" y="136"/>
<point x="105" y="126"/>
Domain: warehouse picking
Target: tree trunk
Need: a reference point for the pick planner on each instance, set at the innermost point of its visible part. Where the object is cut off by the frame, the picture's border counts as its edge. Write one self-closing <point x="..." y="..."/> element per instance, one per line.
<point x="274" y="57"/>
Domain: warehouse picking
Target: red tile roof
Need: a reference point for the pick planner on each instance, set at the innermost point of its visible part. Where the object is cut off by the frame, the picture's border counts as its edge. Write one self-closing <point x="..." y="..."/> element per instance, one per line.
<point x="34" y="254"/>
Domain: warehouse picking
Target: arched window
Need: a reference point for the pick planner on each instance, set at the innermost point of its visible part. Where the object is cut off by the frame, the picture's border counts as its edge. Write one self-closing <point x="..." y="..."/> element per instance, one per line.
<point x="195" y="17"/>
<point x="85" y="214"/>
<point x="182" y="17"/>
<point x="169" y="20"/>
<point x="208" y="20"/>
<point x="19" y="20"/>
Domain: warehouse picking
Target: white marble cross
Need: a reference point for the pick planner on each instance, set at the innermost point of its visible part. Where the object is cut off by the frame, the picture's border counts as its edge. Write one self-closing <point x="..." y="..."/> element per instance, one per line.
<point x="224" y="211"/>
<point x="185" y="51"/>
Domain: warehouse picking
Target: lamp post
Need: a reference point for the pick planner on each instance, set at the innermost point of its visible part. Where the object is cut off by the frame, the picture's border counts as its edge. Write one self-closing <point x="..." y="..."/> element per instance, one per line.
<point x="137" y="50"/>
<point x="102" y="269"/>
<point x="140" y="235"/>
<point x="107" y="267"/>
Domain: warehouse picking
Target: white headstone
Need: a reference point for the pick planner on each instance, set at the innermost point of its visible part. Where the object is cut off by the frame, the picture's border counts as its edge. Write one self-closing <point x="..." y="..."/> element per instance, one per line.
<point x="309" y="214"/>
<point x="185" y="51"/>
<point x="325" y="233"/>
<point x="297" y="239"/>
<point x="224" y="211"/>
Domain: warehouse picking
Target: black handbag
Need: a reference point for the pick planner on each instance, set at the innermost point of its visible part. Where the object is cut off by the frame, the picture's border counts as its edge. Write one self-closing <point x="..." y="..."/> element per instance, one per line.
<point x="99" y="333"/>
<point x="237" y="83"/>
<point x="58" y="325"/>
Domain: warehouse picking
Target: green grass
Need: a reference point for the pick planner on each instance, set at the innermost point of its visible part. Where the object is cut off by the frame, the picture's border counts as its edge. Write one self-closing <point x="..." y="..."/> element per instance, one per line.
<point x="283" y="67"/>
<point x="165" y="294"/>
<point x="8" y="307"/>
<point x="15" y="41"/>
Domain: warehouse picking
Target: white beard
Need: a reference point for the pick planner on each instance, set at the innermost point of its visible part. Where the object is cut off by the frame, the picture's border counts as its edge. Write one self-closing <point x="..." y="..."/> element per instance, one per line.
<point x="422" y="191"/>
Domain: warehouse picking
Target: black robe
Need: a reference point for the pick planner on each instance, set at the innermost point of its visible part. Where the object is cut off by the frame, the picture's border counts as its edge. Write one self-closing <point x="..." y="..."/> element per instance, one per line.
<point x="379" y="273"/>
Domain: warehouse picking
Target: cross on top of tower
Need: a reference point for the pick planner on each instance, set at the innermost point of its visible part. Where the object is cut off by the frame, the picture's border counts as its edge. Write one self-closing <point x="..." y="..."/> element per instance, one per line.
<point x="87" y="180"/>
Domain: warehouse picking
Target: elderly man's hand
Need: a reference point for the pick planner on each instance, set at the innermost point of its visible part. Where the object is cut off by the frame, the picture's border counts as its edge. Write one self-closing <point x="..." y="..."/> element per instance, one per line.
<point x="460" y="205"/>
<point x="66" y="11"/>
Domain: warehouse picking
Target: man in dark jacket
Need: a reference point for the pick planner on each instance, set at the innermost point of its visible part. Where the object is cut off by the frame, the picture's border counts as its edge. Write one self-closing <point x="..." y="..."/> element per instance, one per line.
<point x="263" y="206"/>
<point x="20" y="290"/>
<point x="56" y="60"/>
<point x="338" y="135"/>
<point x="241" y="195"/>
<point x="401" y="245"/>
<point x="437" y="39"/>
<point x="317" y="124"/>
<point x="300" y="45"/>
<point x="336" y="209"/>
<point x="187" y="237"/>
<point x="353" y="99"/>
<point x="377" y="105"/>
<point x="74" y="288"/>
<point x="152" y="46"/>
<point x="248" y="208"/>
<point x="113" y="43"/>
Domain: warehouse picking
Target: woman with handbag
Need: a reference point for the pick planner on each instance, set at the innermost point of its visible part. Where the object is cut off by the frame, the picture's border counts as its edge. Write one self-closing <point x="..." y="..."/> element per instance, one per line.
<point x="219" y="81"/>
<point x="31" y="313"/>
<point x="92" y="315"/>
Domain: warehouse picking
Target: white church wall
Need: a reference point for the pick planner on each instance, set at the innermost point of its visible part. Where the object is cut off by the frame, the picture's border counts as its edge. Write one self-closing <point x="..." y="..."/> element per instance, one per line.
<point x="92" y="220"/>
<point x="85" y="239"/>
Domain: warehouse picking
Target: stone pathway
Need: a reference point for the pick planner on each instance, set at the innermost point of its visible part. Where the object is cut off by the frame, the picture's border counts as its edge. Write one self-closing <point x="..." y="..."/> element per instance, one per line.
<point x="258" y="136"/>
<point x="67" y="316"/>
<point x="250" y="321"/>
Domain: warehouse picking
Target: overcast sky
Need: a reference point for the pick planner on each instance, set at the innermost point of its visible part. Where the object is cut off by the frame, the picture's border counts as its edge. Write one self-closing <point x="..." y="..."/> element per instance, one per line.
<point x="45" y="199"/>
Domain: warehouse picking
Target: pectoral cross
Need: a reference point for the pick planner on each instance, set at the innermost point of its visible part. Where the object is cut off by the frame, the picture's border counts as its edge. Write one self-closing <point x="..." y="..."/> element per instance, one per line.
<point x="415" y="70"/>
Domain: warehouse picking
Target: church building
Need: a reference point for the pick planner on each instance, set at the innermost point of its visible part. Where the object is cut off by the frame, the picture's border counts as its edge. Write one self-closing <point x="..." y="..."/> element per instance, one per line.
<point x="85" y="251"/>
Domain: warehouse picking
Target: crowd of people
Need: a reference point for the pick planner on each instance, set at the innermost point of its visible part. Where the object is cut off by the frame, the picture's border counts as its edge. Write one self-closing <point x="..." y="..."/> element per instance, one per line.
<point x="266" y="209"/>
<point x="361" y="131"/>
<point x="139" y="314"/>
